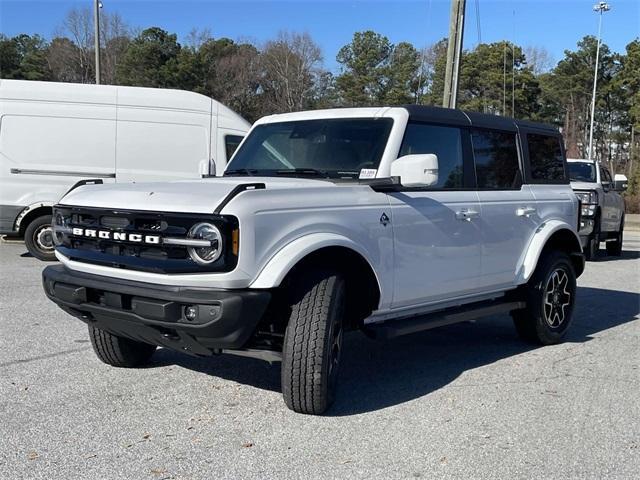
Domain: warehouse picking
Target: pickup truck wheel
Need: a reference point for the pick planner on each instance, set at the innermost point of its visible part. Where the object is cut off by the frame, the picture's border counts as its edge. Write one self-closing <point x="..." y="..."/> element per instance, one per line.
<point x="38" y="237"/>
<point x="313" y="343"/>
<point x="592" y="247"/>
<point x="550" y="297"/>
<point x="614" y="247"/>
<point x="119" y="351"/>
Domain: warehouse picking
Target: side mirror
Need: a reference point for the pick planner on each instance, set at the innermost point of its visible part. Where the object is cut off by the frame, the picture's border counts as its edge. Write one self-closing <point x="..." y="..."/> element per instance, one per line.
<point x="207" y="168"/>
<point x="419" y="170"/>
<point x="620" y="182"/>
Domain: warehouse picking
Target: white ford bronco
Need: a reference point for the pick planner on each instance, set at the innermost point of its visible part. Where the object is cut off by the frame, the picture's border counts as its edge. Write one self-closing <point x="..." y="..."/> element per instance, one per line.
<point x="389" y="220"/>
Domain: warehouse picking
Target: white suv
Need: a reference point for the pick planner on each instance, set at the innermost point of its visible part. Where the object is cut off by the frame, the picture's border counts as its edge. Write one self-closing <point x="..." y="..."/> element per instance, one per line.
<point x="389" y="220"/>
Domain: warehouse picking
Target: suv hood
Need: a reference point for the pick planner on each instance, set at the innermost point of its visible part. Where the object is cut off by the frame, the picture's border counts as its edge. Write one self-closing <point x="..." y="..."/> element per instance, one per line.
<point x="198" y="196"/>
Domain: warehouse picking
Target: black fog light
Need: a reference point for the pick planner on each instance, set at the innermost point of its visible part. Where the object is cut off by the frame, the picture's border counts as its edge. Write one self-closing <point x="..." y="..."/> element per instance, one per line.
<point x="191" y="312"/>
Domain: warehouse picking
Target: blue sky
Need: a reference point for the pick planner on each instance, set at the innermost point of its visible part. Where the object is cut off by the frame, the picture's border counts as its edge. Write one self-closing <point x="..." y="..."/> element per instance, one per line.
<point x="554" y="24"/>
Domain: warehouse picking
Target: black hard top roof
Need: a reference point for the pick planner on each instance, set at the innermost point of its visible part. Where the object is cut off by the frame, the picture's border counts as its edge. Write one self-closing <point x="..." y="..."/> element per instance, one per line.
<point x="450" y="116"/>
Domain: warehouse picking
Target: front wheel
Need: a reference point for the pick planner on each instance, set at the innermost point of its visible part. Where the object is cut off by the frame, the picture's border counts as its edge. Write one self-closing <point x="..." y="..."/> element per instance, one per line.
<point x="592" y="247"/>
<point x="614" y="247"/>
<point x="119" y="351"/>
<point x="313" y="342"/>
<point x="550" y="297"/>
<point x="38" y="237"/>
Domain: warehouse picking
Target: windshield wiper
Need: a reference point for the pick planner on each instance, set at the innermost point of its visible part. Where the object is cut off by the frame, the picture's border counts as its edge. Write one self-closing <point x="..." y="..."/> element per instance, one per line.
<point x="241" y="171"/>
<point x="302" y="171"/>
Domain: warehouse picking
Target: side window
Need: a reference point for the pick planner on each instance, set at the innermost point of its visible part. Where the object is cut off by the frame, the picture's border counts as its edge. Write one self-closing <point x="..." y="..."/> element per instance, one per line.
<point x="231" y="142"/>
<point x="545" y="157"/>
<point x="496" y="159"/>
<point x="605" y="177"/>
<point x="445" y="143"/>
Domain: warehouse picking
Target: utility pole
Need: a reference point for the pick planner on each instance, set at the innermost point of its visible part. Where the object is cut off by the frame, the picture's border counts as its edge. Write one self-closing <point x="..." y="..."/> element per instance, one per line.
<point x="454" y="52"/>
<point x="504" y="79"/>
<point x="97" y="5"/>
<point x="600" y="7"/>
<point x="632" y="150"/>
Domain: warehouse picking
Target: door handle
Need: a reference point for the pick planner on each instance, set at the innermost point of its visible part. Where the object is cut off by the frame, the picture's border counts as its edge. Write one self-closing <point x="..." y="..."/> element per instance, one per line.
<point x="525" y="211"/>
<point x="467" y="214"/>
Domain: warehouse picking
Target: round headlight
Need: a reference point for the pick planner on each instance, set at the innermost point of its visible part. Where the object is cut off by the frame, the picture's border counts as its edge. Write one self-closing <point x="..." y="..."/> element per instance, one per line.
<point x="206" y="254"/>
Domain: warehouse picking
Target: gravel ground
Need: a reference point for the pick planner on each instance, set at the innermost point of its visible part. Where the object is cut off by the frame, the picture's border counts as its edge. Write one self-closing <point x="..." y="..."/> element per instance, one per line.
<point x="465" y="401"/>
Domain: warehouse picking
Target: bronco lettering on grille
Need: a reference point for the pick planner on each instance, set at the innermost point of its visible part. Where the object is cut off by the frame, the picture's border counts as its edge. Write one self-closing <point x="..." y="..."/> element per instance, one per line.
<point x="116" y="236"/>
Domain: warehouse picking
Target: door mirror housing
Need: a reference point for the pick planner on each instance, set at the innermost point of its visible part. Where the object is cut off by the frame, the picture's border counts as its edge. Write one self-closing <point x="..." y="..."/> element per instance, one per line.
<point x="620" y="182"/>
<point x="419" y="170"/>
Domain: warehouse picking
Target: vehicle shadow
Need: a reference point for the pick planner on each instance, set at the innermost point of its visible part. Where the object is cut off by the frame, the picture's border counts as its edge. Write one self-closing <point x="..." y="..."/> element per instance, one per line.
<point x="377" y="375"/>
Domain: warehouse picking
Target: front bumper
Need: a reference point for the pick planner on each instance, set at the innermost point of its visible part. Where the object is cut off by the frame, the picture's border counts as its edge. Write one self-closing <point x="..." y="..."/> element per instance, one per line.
<point x="586" y="229"/>
<point x="8" y="215"/>
<point x="155" y="314"/>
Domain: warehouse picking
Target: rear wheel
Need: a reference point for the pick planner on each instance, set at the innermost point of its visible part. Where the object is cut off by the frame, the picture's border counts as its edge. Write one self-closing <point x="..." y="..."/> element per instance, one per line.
<point x="119" y="351"/>
<point x="550" y="297"/>
<point x="313" y="342"/>
<point x="614" y="247"/>
<point x="38" y="237"/>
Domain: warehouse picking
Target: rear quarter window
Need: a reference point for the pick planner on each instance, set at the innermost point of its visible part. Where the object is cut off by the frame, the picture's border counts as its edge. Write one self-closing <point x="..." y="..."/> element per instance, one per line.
<point x="546" y="160"/>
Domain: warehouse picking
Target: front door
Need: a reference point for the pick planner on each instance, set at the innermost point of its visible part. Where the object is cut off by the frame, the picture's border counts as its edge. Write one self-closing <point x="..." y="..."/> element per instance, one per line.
<point x="436" y="245"/>
<point x="436" y="230"/>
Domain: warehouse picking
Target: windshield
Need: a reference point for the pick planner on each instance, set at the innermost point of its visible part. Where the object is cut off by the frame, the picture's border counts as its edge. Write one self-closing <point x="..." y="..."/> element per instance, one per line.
<point x="330" y="148"/>
<point x="582" y="172"/>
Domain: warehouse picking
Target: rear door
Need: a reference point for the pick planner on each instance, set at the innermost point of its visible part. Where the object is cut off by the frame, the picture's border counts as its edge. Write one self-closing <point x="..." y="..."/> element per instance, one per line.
<point x="548" y="177"/>
<point x="436" y="229"/>
<point x="508" y="212"/>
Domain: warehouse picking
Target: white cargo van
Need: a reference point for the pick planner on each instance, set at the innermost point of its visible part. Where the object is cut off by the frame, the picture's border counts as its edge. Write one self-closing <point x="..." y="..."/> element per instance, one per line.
<point x="54" y="135"/>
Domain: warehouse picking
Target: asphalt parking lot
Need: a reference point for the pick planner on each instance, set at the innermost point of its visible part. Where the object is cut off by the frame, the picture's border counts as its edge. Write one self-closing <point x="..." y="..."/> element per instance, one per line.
<point x="465" y="401"/>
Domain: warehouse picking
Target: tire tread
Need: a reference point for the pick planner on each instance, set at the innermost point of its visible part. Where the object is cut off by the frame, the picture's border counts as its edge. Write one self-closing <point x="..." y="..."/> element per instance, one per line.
<point x="119" y="351"/>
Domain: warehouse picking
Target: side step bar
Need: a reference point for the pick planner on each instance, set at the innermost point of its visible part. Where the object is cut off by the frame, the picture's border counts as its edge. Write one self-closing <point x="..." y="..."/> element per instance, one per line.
<point x="405" y="326"/>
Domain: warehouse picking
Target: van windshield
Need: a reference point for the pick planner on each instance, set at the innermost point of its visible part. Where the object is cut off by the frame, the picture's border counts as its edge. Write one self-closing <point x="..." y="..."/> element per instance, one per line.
<point x="582" y="172"/>
<point x="329" y="148"/>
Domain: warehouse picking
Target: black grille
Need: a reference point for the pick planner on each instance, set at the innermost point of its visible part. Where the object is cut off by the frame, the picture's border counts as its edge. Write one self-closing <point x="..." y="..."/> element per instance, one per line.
<point x="132" y="255"/>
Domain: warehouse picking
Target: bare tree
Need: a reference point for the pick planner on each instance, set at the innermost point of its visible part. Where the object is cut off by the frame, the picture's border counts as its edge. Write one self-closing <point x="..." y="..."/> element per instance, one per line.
<point x="237" y="80"/>
<point x="78" y="26"/>
<point x="72" y="58"/>
<point x="291" y="65"/>
<point x="539" y="59"/>
<point x="196" y="38"/>
<point x="62" y="57"/>
<point x="115" y="37"/>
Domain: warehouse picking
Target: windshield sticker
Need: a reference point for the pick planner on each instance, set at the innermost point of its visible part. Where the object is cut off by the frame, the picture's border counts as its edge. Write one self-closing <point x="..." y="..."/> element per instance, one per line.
<point x="368" y="173"/>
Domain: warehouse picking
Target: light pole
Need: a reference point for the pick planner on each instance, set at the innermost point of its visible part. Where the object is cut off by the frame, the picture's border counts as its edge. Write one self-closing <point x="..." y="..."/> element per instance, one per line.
<point x="600" y="7"/>
<point x="97" y="5"/>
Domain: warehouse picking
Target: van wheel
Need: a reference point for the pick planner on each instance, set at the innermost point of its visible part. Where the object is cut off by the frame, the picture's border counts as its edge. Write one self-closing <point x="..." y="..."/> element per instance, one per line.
<point x="38" y="237"/>
<point x="119" y="351"/>
<point x="550" y="297"/>
<point x="313" y="343"/>
<point x="614" y="247"/>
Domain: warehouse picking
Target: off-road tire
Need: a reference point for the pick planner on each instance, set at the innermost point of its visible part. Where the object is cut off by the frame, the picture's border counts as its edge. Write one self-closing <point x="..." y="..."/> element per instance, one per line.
<point x="313" y="342"/>
<point x="554" y="281"/>
<point x="31" y="234"/>
<point x="614" y="247"/>
<point x="119" y="351"/>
